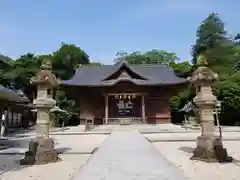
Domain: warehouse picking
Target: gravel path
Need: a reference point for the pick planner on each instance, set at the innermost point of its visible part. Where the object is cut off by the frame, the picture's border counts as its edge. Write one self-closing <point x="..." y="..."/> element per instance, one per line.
<point x="62" y="170"/>
<point x="180" y="152"/>
<point x="127" y="155"/>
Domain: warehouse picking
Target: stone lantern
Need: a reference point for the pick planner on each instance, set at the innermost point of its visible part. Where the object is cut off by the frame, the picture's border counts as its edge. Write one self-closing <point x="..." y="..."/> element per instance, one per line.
<point x="41" y="149"/>
<point x="209" y="146"/>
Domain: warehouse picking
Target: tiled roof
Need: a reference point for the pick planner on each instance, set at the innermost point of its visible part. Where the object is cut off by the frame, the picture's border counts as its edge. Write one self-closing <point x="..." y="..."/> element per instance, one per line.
<point x="10" y="95"/>
<point x="158" y="74"/>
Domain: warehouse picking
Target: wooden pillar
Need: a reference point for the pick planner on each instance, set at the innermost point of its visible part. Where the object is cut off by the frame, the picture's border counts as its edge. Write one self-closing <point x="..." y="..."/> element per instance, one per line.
<point x="143" y="109"/>
<point x="106" y="109"/>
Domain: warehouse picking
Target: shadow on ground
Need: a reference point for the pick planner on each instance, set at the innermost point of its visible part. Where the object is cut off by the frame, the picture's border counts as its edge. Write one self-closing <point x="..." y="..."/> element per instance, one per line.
<point x="186" y="149"/>
<point x="11" y="161"/>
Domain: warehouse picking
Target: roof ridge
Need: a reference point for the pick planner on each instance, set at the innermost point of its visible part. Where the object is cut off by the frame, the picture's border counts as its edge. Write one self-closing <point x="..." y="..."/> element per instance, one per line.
<point x="134" y="65"/>
<point x="150" y="65"/>
<point x="90" y="65"/>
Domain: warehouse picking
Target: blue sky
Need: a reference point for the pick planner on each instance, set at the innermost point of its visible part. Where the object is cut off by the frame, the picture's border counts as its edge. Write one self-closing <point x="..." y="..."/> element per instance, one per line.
<point x="102" y="28"/>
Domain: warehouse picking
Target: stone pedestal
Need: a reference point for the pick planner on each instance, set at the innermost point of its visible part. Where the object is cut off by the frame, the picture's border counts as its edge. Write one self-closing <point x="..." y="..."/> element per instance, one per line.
<point x="89" y="124"/>
<point x="210" y="149"/>
<point x="41" y="151"/>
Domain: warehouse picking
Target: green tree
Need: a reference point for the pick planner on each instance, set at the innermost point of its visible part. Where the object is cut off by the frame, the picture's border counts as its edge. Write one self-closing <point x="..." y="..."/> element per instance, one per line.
<point x="69" y="105"/>
<point x="236" y="53"/>
<point x="150" y="57"/>
<point x="67" y="58"/>
<point x="182" y="69"/>
<point x="95" y="64"/>
<point x="228" y="92"/>
<point x="213" y="41"/>
<point x="5" y="66"/>
<point x="18" y="75"/>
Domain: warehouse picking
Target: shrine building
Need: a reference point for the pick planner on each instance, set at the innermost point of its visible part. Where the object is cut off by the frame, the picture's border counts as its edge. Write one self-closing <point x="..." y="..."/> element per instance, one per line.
<point x="124" y="93"/>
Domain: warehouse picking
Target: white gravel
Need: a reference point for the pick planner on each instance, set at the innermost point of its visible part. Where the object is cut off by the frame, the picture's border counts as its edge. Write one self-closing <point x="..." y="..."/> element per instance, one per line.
<point x="78" y="143"/>
<point x="180" y="152"/>
<point x="63" y="170"/>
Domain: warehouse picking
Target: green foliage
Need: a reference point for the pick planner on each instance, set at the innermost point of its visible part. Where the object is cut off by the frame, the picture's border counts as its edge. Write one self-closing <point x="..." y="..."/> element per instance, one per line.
<point x="175" y="103"/>
<point x="228" y="92"/>
<point x="16" y="74"/>
<point x="150" y="57"/>
<point x="222" y="54"/>
<point x="67" y="58"/>
<point x="63" y="102"/>
<point x="182" y="69"/>
<point x="214" y="42"/>
<point x="20" y="71"/>
<point x="95" y="64"/>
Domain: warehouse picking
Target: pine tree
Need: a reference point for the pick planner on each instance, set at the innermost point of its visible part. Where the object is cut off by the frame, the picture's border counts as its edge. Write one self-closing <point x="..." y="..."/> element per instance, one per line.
<point x="214" y="43"/>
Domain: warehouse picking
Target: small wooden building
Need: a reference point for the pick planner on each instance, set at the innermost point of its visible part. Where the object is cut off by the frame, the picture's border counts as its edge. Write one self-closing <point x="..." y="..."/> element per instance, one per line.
<point x="124" y="93"/>
<point x="18" y="107"/>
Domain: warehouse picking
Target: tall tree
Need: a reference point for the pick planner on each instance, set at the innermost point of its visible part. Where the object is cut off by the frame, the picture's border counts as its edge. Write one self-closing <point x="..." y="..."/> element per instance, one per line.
<point x="67" y="58"/>
<point x="213" y="41"/>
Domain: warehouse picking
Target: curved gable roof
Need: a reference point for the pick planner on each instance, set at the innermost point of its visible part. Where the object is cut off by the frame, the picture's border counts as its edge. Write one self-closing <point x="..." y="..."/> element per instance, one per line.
<point x="120" y="67"/>
<point x="156" y="74"/>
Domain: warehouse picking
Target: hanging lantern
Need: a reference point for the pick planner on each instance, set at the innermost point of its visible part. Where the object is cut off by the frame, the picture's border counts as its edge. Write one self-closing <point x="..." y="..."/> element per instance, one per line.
<point x="129" y="97"/>
<point x="116" y="96"/>
<point x="124" y="96"/>
<point x="120" y="97"/>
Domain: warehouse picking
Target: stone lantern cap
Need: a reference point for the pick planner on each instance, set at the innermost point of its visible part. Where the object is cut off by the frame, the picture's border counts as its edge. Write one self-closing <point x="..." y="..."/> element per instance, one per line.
<point x="202" y="74"/>
<point x="45" y="77"/>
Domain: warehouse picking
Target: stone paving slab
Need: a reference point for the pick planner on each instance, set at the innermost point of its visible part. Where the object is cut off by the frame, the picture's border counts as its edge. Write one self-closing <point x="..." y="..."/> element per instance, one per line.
<point x="127" y="155"/>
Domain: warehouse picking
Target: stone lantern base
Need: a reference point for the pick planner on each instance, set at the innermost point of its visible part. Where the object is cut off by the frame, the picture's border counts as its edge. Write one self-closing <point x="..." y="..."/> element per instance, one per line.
<point x="41" y="151"/>
<point x="210" y="149"/>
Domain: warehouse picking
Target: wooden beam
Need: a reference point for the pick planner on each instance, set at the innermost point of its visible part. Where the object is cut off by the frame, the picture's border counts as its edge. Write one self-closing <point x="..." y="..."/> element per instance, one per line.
<point x="106" y="109"/>
<point x="143" y="109"/>
<point x="126" y="94"/>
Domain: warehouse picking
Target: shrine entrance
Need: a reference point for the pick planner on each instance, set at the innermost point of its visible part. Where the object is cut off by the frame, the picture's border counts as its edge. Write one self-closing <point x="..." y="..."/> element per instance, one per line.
<point x="124" y="108"/>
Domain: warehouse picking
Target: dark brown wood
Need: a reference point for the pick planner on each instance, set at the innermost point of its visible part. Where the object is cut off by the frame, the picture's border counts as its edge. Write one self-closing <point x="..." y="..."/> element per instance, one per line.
<point x="91" y="101"/>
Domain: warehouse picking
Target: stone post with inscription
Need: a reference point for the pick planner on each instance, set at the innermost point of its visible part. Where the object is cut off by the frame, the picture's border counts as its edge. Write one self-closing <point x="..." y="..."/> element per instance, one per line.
<point x="209" y="146"/>
<point x="41" y="149"/>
